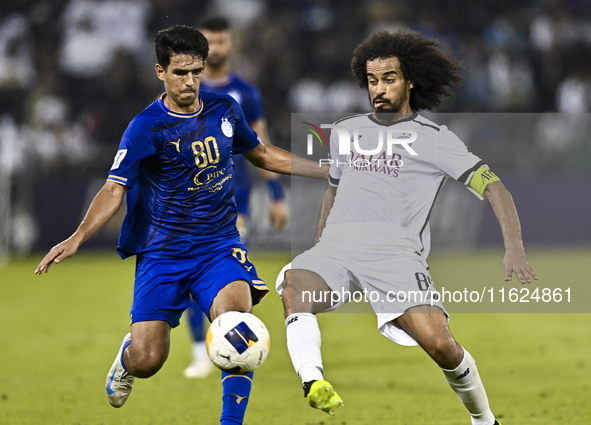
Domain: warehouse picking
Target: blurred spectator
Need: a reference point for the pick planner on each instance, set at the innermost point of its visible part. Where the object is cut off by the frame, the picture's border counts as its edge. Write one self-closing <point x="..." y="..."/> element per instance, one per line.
<point x="166" y="13"/>
<point x="574" y="94"/>
<point x="95" y="30"/>
<point x="13" y="153"/>
<point x="310" y="95"/>
<point x="17" y="73"/>
<point x="56" y="140"/>
<point x="239" y="12"/>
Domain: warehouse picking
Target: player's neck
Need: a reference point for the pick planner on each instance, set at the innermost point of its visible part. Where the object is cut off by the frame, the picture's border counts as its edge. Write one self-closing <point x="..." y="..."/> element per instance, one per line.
<point x="216" y="72"/>
<point x="175" y="107"/>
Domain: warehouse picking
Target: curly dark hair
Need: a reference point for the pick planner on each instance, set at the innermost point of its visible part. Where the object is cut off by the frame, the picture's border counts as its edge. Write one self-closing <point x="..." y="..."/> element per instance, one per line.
<point x="421" y="61"/>
<point x="179" y="39"/>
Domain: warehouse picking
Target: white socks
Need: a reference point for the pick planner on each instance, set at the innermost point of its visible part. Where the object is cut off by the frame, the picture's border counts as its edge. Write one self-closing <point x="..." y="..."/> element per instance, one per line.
<point x="465" y="381"/>
<point x="303" y="344"/>
<point x="304" y="340"/>
<point x="199" y="351"/>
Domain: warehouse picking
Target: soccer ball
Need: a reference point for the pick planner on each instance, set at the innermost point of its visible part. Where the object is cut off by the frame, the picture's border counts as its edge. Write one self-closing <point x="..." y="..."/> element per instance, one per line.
<point x="238" y="342"/>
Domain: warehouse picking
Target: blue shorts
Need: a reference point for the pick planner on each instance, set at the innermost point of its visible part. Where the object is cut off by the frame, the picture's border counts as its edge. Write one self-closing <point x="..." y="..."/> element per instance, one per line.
<point x="162" y="286"/>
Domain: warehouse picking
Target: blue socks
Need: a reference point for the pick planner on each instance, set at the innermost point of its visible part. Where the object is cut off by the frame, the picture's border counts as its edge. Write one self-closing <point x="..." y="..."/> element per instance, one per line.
<point x="196" y="319"/>
<point x="123" y="352"/>
<point x="235" y="397"/>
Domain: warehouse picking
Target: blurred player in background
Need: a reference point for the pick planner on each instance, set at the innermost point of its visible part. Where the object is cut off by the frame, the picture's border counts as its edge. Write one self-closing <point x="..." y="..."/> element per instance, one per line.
<point x="373" y="234"/>
<point x="174" y="164"/>
<point x="219" y="79"/>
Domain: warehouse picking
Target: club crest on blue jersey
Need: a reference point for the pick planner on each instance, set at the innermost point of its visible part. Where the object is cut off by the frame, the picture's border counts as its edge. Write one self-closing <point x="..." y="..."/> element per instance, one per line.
<point x="241" y="337"/>
<point x="227" y="128"/>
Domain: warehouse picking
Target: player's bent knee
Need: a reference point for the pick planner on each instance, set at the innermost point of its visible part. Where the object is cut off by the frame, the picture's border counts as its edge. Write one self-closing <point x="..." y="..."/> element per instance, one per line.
<point x="147" y="363"/>
<point x="444" y="351"/>
<point x="292" y="297"/>
<point x="144" y="360"/>
<point x="292" y="294"/>
<point x="305" y="292"/>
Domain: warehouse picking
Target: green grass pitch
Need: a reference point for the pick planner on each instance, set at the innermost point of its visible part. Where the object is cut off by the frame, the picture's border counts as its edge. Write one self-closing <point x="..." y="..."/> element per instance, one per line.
<point x="60" y="332"/>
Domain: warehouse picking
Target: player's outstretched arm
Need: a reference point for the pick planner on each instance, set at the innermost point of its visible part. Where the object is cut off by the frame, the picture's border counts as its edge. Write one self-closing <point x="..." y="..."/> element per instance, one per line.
<point x="275" y="159"/>
<point x="104" y="206"/>
<point x="515" y="260"/>
<point x="260" y="128"/>
<point x="327" y="203"/>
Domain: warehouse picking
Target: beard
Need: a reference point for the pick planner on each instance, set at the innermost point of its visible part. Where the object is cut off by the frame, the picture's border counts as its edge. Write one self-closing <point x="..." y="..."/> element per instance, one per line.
<point x="387" y="112"/>
<point x="385" y="108"/>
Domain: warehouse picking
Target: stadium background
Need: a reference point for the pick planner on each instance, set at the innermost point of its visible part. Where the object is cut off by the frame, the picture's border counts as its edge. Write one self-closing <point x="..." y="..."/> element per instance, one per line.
<point x="74" y="72"/>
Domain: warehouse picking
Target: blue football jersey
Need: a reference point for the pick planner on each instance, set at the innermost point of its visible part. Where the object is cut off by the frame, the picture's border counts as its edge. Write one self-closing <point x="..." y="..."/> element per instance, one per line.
<point x="180" y="173"/>
<point x="249" y="99"/>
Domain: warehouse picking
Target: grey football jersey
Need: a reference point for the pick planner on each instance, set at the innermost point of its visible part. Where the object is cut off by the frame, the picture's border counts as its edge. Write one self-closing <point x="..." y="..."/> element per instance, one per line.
<point x="385" y="198"/>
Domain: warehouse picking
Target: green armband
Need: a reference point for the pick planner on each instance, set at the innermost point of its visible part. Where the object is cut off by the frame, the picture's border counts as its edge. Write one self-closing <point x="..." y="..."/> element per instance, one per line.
<point x="482" y="178"/>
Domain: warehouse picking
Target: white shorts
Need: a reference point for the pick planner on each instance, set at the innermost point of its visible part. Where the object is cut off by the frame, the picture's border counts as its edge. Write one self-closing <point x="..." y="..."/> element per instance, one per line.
<point x="391" y="281"/>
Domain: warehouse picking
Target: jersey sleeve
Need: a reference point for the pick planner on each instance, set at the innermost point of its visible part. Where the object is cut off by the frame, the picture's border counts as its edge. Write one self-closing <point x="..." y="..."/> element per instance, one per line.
<point x="453" y="157"/>
<point x="252" y="105"/>
<point x="455" y="160"/>
<point x="135" y="145"/>
<point x="245" y="139"/>
<point x="334" y="174"/>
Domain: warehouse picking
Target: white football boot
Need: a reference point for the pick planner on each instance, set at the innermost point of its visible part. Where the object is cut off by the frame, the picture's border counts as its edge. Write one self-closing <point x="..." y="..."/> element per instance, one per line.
<point x="119" y="381"/>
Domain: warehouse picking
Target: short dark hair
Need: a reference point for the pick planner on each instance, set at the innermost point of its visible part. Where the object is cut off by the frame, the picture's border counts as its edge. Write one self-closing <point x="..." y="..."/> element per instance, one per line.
<point x="179" y="39"/>
<point x="215" y="24"/>
<point x="421" y="61"/>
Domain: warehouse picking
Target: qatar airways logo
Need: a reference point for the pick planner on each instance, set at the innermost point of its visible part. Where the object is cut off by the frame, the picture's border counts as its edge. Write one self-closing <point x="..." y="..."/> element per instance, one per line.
<point x="350" y="142"/>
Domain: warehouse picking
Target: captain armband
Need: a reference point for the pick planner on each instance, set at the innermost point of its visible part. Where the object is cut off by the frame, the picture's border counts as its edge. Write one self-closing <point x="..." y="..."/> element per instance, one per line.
<point x="480" y="180"/>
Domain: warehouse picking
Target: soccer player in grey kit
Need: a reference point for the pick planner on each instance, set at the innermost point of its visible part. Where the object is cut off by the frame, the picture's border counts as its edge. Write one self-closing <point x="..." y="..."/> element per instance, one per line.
<point x="374" y="235"/>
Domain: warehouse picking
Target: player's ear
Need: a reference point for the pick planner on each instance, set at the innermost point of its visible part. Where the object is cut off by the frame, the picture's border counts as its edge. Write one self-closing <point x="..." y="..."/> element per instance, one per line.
<point x="411" y="85"/>
<point x="160" y="72"/>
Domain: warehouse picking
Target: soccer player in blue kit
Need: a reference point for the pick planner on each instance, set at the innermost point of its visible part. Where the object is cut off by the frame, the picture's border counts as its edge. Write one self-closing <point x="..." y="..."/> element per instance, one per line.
<point x="219" y="79"/>
<point x="174" y="164"/>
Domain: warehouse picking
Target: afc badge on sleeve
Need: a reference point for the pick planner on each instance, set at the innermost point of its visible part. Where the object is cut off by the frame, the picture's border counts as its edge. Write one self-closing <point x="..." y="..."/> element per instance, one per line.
<point x="118" y="158"/>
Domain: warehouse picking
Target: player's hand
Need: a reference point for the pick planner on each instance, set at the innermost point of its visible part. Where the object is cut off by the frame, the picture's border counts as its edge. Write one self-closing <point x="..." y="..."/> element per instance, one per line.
<point x="516" y="262"/>
<point x="278" y="215"/>
<point x="58" y="254"/>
